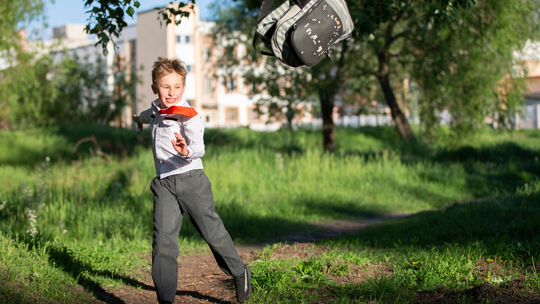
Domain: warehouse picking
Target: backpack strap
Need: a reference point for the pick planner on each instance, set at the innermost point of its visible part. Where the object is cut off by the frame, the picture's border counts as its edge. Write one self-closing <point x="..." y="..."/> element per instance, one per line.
<point x="266" y="8"/>
<point x="264" y="11"/>
<point x="256" y="39"/>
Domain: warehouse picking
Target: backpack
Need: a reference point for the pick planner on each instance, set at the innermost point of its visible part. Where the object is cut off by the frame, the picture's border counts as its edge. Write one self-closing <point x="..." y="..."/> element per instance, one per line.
<point x="300" y="32"/>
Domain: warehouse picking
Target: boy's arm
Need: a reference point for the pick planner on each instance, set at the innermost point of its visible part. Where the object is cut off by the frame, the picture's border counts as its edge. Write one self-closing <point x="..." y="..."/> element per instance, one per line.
<point x="191" y="140"/>
<point x="144" y="118"/>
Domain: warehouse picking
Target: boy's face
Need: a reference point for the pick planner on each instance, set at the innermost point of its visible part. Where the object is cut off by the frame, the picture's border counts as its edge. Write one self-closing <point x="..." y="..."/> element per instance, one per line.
<point x="169" y="89"/>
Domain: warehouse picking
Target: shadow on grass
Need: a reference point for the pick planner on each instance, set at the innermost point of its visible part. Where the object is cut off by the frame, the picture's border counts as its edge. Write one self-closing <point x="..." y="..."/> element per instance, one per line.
<point x="497" y="168"/>
<point x="64" y="260"/>
<point x="505" y="225"/>
<point x="83" y="272"/>
<point x="58" y="143"/>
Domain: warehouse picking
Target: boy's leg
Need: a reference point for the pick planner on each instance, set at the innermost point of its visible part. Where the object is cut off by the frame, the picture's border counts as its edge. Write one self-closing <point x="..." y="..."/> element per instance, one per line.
<point x="167" y="224"/>
<point x="197" y="202"/>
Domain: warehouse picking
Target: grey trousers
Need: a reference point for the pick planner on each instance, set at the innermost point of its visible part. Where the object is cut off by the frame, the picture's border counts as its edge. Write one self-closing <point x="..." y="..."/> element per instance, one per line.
<point x="188" y="193"/>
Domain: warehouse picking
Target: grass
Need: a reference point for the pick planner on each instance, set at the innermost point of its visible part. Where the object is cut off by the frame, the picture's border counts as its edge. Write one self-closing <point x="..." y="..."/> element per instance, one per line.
<point x="93" y="216"/>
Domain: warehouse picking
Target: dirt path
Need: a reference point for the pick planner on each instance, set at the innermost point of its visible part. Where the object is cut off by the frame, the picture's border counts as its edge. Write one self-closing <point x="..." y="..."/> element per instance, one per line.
<point x="201" y="281"/>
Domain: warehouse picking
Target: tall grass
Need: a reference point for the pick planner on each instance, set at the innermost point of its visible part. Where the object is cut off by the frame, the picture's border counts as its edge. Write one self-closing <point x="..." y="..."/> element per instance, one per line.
<point x="256" y="189"/>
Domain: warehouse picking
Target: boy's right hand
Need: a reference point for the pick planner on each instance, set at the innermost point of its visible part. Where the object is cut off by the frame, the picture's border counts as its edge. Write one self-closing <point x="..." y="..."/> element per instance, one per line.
<point x="138" y="122"/>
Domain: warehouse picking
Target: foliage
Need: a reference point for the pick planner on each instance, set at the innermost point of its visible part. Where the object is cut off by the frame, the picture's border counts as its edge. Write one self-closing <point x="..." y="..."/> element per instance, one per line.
<point x="38" y="92"/>
<point x="277" y="90"/>
<point x="444" y="49"/>
<point x="90" y="92"/>
<point x="469" y="68"/>
<point x="25" y="92"/>
<point x="14" y="15"/>
<point x="466" y="67"/>
<point x="107" y="19"/>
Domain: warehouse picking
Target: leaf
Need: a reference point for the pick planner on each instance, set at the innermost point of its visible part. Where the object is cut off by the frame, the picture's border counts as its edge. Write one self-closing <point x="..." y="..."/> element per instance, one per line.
<point x="97" y="28"/>
<point x="136" y="4"/>
<point x="130" y="11"/>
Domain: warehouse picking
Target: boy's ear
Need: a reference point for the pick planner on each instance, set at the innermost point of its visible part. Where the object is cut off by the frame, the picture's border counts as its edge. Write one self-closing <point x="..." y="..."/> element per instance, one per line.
<point x="154" y="89"/>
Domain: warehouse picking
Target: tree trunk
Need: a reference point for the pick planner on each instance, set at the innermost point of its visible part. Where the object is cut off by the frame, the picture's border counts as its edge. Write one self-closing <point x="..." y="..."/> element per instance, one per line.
<point x="329" y="86"/>
<point x="402" y="124"/>
<point x="290" y="117"/>
<point x="328" y="129"/>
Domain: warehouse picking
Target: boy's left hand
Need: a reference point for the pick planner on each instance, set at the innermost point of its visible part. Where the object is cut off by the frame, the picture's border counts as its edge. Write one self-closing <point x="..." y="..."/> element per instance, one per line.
<point x="180" y="144"/>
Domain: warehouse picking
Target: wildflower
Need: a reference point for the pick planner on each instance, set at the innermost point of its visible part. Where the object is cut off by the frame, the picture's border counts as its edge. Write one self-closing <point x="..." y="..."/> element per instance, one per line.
<point x="34" y="270"/>
<point x="32" y="219"/>
<point x="415" y="263"/>
<point x="489" y="260"/>
<point x="436" y="257"/>
<point x="470" y="261"/>
<point x="342" y="285"/>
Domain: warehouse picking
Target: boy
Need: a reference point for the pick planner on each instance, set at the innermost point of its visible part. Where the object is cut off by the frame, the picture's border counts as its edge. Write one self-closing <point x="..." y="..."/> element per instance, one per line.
<point x="181" y="187"/>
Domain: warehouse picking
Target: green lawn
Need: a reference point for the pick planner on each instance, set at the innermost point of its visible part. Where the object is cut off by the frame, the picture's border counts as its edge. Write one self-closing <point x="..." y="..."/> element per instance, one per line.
<point x="93" y="210"/>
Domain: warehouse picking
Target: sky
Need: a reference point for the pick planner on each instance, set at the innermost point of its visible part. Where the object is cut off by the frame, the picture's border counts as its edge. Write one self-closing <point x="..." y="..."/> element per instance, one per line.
<point x="72" y="11"/>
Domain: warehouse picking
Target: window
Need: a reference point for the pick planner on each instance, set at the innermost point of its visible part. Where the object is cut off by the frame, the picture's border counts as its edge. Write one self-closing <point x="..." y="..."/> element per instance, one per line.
<point x="187" y="39"/>
<point x="231" y="115"/>
<point x="207" y="118"/>
<point x="254" y="115"/>
<point x="189" y="68"/>
<point x="207" y="85"/>
<point x="207" y="54"/>
<point x="191" y="102"/>
<point x="231" y="84"/>
<point x="178" y="39"/>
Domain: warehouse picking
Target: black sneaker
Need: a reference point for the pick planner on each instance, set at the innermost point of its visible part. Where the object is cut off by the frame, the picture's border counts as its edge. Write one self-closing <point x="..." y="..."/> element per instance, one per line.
<point x="243" y="285"/>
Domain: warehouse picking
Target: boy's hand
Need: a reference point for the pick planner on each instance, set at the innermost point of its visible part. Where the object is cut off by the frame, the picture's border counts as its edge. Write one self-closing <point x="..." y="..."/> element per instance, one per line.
<point x="138" y="122"/>
<point x="180" y="144"/>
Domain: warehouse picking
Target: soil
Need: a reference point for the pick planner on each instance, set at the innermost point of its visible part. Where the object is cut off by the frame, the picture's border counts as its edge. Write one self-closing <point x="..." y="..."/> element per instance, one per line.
<point x="201" y="281"/>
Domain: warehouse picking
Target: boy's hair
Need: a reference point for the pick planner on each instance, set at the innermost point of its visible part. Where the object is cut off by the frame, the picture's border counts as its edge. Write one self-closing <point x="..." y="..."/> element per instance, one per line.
<point x="165" y="66"/>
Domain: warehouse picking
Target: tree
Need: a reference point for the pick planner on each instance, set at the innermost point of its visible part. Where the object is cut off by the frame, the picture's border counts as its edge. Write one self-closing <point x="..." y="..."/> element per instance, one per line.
<point x="328" y="77"/>
<point x="25" y="90"/>
<point x="14" y="16"/>
<point x="280" y="91"/>
<point x="405" y="36"/>
<point x="469" y="68"/>
<point x="88" y="92"/>
<point x="384" y="48"/>
<point x="450" y="63"/>
<point x="107" y="19"/>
